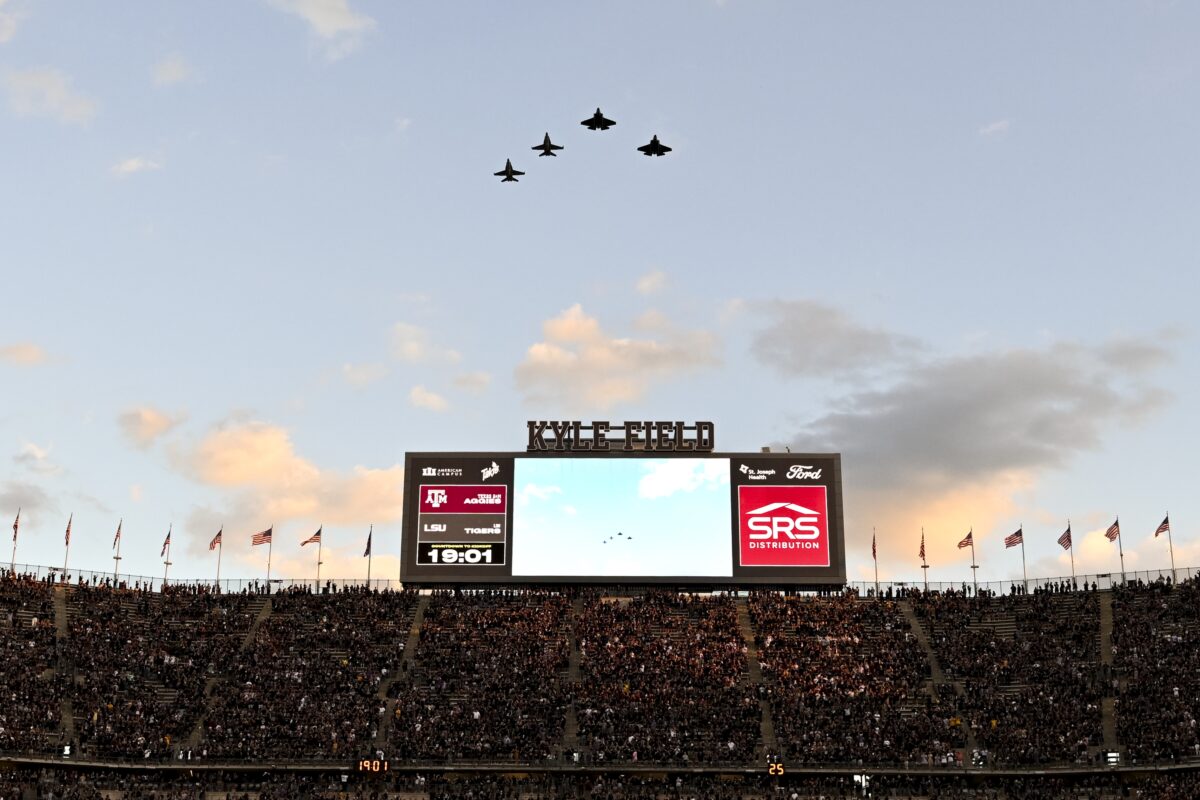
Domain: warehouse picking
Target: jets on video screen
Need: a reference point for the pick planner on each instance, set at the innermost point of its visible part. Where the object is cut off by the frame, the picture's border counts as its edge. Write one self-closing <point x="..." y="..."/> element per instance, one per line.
<point x="635" y="517"/>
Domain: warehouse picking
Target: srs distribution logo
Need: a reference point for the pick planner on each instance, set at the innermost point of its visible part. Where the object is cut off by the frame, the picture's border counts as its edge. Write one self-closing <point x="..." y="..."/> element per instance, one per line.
<point x="783" y="526"/>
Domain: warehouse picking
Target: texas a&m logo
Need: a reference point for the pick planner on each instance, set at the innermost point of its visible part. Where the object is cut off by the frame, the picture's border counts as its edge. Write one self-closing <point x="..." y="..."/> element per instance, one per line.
<point x="783" y="526"/>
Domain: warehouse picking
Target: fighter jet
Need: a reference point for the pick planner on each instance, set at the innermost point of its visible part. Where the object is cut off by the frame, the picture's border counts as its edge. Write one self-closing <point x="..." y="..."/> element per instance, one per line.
<point x="508" y="173"/>
<point x="597" y="121"/>
<point x="655" y="148"/>
<point x="547" y="147"/>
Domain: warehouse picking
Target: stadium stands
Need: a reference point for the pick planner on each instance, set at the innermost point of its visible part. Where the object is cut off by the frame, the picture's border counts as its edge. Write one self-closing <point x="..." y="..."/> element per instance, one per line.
<point x="599" y="682"/>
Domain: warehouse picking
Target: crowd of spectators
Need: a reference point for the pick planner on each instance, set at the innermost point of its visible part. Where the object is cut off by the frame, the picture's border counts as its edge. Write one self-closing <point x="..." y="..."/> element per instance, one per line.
<point x="31" y="690"/>
<point x="139" y="662"/>
<point x="848" y="683"/>
<point x="487" y="681"/>
<point x="664" y="679"/>
<point x="1156" y="651"/>
<point x="1030" y="670"/>
<point x="307" y="686"/>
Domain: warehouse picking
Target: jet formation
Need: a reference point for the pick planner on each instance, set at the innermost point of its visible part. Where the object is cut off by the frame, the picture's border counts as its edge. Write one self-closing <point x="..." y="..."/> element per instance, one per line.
<point x="596" y="122"/>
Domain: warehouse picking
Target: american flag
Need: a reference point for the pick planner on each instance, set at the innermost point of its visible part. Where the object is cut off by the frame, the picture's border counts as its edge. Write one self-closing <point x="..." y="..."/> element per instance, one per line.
<point x="166" y="544"/>
<point x="315" y="538"/>
<point x="371" y="532"/>
<point x="70" y="519"/>
<point x="1015" y="539"/>
<point x="16" y="524"/>
<point x="1114" y="531"/>
<point x="967" y="542"/>
<point x="1064" y="541"/>
<point x="264" y="537"/>
<point x="216" y="540"/>
<point x="117" y="538"/>
<point x="874" y="554"/>
<point x="922" y="553"/>
<point x="1164" y="528"/>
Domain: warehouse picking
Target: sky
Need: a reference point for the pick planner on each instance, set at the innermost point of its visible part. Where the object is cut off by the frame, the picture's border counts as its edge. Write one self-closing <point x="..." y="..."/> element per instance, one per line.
<point x="252" y="252"/>
<point x="652" y="516"/>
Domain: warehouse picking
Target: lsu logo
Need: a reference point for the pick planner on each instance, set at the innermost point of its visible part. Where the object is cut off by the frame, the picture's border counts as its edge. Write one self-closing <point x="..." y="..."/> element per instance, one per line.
<point x="783" y="526"/>
<point x="435" y="497"/>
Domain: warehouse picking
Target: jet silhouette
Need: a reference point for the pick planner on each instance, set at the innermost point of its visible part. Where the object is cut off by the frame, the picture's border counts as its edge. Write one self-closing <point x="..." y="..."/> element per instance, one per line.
<point x="547" y="147"/>
<point x="597" y="120"/>
<point x="507" y="174"/>
<point x="655" y="148"/>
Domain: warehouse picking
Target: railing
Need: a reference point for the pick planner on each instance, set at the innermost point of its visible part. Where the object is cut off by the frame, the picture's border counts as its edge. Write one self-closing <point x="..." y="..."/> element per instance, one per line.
<point x="1103" y="580"/>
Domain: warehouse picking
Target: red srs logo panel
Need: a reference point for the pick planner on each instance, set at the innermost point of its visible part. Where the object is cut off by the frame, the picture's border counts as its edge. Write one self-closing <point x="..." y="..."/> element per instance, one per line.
<point x="783" y="526"/>
<point x="456" y="499"/>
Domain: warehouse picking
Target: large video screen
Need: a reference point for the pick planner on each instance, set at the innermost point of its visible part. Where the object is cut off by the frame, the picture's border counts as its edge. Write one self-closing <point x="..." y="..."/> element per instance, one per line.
<point x="654" y="518"/>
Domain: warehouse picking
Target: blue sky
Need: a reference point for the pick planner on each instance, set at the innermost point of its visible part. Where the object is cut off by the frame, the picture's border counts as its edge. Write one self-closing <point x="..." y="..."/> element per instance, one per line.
<point x="251" y="253"/>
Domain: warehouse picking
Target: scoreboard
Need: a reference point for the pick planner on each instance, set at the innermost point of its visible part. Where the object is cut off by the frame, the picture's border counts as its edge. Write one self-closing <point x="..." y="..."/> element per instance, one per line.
<point x="672" y="517"/>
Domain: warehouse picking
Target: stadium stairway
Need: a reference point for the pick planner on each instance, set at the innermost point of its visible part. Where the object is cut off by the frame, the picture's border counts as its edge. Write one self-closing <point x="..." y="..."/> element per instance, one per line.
<point x="935" y="670"/>
<point x="574" y="679"/>
<point x="61" y="630"/>
<point x="406" y="662"/>
<point x="754" y="668"/>
<point x="261" y="613"/>
<point x="1108" y="703"/>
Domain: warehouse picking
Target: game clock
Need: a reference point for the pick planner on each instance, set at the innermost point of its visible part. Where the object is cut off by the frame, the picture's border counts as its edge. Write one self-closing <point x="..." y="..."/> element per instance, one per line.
<point x="775" y="765"/>
<point x="372" y="766"/>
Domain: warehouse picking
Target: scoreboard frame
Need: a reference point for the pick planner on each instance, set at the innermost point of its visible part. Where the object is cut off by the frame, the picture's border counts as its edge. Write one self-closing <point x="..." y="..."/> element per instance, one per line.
<point x="484" y="471"/>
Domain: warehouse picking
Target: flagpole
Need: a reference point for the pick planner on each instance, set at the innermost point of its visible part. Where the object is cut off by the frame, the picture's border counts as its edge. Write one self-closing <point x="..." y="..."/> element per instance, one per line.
<point x="117" y="557"/>
<point x="924" y="561"/>
<point x="1171" y="547"/>
<point x="1024" y="574"/>
<point x="1072" y="540"/>
<point x="319" y="545"/>
<point x="220" y="549"/>
<point x="12" y="567"/>
<point x="1121" y="550"/>
<point x="167" y="563"/>
<point x="875" y="558"/>
<point x="270" y="547"/>
<point x="370" y="553"/>
<point x="974" y="566"/>
<point x="67" y="548"/>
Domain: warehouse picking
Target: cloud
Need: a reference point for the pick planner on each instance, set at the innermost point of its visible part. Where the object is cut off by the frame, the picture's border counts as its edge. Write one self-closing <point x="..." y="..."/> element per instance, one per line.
<point x="136" y="493"/>
<point x="143" y="426"/>
<point x="533" y="491"/>
<point x="362" y="375"/>
<point x="955" y="441"/>
<point x="45" y="92"/>
<point x="131" y="166"/>
<point x="805" y="338"/>
<point x="30" y="499"/>
<point x="36" y="459"/>
<point x="8" y="22"/>
<point x="474" y="382"/>
<point x="423" y="398"/>
<point x="651" y="282"/>
<point x="403" y="124"/>
<point x="171" y="70"/>
<point x="411" y="344"/>
<point x="997" y="128"/>
<point x="580" y="367"/>
<point x="338" y="27"/>
<point x="266" y="482"/>
<point x="668" y="477"/>
<point x="23" y="354"/>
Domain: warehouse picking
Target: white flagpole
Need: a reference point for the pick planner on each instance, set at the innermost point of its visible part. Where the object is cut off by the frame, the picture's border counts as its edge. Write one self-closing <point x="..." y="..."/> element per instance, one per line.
<point x="924" y="561"/>
<point x="167" y="563"/>
<point x="320" y="542"/>
<point x="974" y="566"/>
<point x="67" y="550"/>
<point x="1171" y="549"/>
<point x="370" y="554"/>
<point x="117" y="557"/>
<point x="1024" y="574"/>
<point x="875" y="558"/>
<point x="220" y="548"/>
<point x="16" y="529"/>
<point x="1072" y="540"/>
<point x="270" y="547"/>
<point x="1121" y="550"/>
